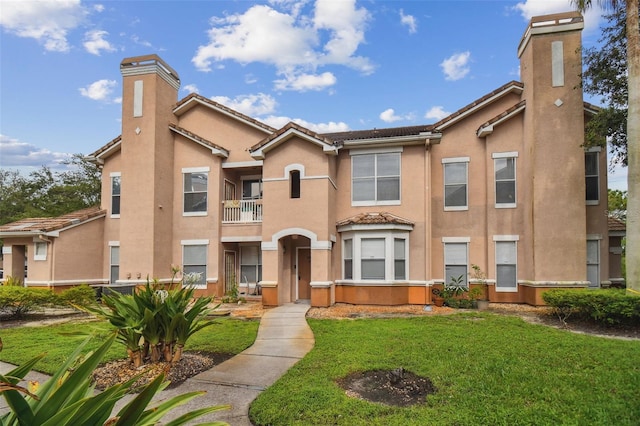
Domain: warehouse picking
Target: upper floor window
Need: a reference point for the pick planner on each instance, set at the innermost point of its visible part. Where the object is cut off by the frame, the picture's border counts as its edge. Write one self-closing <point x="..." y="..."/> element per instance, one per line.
<point x="592" y="177"/>
<point x="375" y="178"/>
<point x="294" y="183"/>
<point x="115" y="194"/>
<point x="251" y="188"/>
<point x="195" y="191"/>
<point x="505" y="178"/>
<point x="377" y="256"/>
<point x="455" y="183"/>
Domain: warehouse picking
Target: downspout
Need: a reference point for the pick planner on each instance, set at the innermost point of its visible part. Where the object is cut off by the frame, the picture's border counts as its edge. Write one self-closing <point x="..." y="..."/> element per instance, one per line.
<point x="51" y="262"/>
<point x="427" y="207"/>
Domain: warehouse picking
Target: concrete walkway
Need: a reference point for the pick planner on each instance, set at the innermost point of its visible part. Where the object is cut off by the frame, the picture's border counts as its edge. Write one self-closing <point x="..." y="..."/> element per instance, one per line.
<point x="284" y="337"/>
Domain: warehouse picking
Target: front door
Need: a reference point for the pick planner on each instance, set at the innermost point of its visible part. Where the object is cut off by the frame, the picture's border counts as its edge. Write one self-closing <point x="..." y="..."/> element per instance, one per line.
<point x="229" y="271"/>
<point x="304" y="273"/>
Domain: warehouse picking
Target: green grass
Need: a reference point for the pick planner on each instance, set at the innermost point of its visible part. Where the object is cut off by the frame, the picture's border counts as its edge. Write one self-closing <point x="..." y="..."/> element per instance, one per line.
<point x="488" y="369"/>
<point x="21" y="344"/>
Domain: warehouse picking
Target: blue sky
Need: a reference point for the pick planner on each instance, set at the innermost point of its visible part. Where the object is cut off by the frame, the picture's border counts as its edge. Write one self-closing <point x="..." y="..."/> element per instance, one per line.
<point x="328" y="65"/>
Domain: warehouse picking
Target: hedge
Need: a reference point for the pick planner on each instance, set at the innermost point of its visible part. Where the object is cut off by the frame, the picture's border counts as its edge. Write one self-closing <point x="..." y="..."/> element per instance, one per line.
<point x="609" y="307"/>
<point x="16" y="301"/>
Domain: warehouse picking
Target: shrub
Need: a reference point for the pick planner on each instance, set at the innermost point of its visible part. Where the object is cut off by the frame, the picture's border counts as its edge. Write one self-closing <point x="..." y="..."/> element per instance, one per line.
<point x="67" y="397"/>
<point x="12" y="281"/>
<point x="15" y="301"/>
<point x="157" y="320"/>
<point x="609" y="307"/>
<point x="77" y="296"/>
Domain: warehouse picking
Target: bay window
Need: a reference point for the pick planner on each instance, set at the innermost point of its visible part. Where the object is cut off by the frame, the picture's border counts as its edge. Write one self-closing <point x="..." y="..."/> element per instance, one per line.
<point x="375" y="256"/>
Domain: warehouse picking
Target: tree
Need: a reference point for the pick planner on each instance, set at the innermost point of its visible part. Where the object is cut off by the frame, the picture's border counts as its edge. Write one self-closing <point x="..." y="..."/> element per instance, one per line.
<point x="618" y="204"/>
<point x="633" y="133"/>
<point x="47" y="194"/>
<point x="605" y="75"/>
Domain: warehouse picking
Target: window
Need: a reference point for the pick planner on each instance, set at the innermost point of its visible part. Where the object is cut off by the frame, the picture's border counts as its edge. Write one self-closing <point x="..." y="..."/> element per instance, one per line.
<point x="506" y="271"/>
<point x="195" y="191"/>
<point x="294" y="182"/>
<point x="376" y="256"/>
<point x="399" y="267"/>
<point x="455" y="262"/>
<point x="114" y="264"/>
<point x="372" y="258"/>
<point x="593" y="263"/>
<point x="194" y="261"/>
<point x="455" y="183"/>
<point x="251" y="189"/>
<point x="115" y="195"/>
<point x="592" y="180"/>
<point x="375" y="178"/>
<point x="250" y="264"/>
<point x="505" y="177"/>
<point x="40" y="251"/>
<point x="347" y="255"/>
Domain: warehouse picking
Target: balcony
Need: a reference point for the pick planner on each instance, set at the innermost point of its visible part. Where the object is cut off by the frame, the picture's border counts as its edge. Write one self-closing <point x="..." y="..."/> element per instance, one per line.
<point x="242" y="211"/>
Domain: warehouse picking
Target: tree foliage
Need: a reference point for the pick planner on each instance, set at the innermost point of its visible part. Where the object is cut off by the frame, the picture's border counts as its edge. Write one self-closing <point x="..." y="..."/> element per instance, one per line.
<point x="45" y="193"/>
<point x="618" y="203"/>
<point x="605" y="75"/>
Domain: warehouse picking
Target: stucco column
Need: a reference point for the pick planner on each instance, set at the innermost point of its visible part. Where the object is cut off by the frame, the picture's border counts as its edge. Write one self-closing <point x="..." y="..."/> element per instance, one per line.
<point x="322" y="287"/>
<point x="270" y="273"/>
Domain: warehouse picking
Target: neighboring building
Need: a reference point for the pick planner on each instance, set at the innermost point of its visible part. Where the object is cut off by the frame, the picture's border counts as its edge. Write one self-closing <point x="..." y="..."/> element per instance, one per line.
<point x="366" y="217"/>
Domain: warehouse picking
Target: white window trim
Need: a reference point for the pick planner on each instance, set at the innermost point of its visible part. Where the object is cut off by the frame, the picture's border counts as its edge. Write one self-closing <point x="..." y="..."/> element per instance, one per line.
<point x="596" y="150"/>
<point x="503" y="155"/>
<point x="393" y="150"/>
<point x="111" y="176"/>
<point x="37" y="256"/>
<point x="454" y="240"/>
<point x="205" y="243"/>
<point x="389" y="258"/>
<point x="185" y="170"/>
<point x="505" y="239"/>
<point x="451" y="160"/>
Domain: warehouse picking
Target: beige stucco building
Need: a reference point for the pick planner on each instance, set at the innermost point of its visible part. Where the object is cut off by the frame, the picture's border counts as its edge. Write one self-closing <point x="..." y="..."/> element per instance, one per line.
<point x="366" y="217"/>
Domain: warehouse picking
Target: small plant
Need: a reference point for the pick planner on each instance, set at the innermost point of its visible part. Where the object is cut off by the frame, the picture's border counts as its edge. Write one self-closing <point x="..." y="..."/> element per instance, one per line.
<point x="233" y="294"/>
<point x="67" y="397"/>
<point x="13" y="281"/>
<point x="16" y="302"/>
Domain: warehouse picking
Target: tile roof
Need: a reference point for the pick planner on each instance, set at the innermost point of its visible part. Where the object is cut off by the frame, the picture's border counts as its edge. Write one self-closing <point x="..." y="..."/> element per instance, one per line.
<point x="501" y="117"/>
<point x="506" y="88"/>
<point x="197" y="138"/>
<point x="106" y="147"/>
<point x="292" y="126"/>
<point x="616" y="224"/>
<point x="48" y="224"/>
<point x="194" y="97"/>
<point x="378" y="133"/>
<point x="374" y="218"/>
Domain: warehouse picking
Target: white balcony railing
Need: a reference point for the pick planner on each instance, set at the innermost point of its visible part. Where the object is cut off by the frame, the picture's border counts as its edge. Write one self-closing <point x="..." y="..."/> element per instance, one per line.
<point x="242" y="211"/>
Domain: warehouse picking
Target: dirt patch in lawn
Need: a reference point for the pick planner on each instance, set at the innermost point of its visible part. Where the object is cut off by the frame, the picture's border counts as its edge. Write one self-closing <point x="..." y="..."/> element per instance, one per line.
<point x="398" y="387"/>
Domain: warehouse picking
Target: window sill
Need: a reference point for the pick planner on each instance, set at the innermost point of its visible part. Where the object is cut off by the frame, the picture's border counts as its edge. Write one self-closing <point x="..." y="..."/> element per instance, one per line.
<point x="375" y="203"/>
<point x="115" y="216"/>
<point x="456" y="209"/>
<point x="194" y="214"/>
<point x="506" y="206"/>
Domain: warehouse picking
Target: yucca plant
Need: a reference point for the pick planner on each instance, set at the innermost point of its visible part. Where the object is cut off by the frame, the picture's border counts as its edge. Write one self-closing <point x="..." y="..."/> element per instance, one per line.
<point x="68" y="399"/>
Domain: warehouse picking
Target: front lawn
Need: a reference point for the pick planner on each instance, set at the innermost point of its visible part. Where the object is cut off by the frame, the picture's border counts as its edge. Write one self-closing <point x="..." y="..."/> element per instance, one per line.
<point x="488" y="369"/>
<point x="21" y="344"/>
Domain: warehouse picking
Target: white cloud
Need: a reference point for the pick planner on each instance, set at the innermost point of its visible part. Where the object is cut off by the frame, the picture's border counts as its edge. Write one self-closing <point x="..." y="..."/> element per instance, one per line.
<point x="305" y="82"/>
<point x="389" y="116"/>
<point x="530" y="8"/>
<point x="190" y="88"/>
<point x="330" y="127"/>
<point x="99" y="90"/>
<point x="98" y="7"/>
<point x="295" y="44"/>
<point x="46" y="21"/>
<point x="409" y="21"/>
<point x="436" y="113"/>
<point x="251" y="105"/>
<point x="456" y="66"/>
<point x="20" y="154"/>
<point x="94" y="42"/>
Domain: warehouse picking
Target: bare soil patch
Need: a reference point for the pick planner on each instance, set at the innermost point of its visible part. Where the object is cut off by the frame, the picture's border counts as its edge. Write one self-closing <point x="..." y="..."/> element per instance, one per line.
<point x="397" y="387"/>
